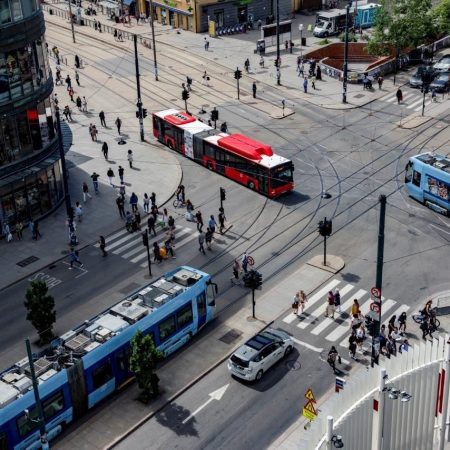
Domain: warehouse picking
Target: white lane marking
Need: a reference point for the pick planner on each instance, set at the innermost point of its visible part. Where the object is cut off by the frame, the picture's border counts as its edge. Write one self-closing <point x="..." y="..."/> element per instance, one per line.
<point x="309" y="346"/>
<point x="113" y="236"/>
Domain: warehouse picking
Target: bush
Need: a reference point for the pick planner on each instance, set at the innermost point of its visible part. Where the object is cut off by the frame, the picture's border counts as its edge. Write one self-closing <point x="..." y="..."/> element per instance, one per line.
<point x="324" y="42"/>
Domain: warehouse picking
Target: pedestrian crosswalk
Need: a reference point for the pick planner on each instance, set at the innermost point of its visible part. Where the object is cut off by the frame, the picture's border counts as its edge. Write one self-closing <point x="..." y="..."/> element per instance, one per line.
<point x="337" y="330"/>
<point x="412" y="99"/>
<point x="130" y="247"/>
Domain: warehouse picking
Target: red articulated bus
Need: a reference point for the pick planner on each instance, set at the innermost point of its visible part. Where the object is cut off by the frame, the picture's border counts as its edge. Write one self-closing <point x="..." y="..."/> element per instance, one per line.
<point x="247" y="161"/>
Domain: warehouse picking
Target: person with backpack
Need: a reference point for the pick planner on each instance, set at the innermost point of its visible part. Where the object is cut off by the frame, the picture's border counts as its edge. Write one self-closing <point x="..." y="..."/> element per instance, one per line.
<point x="330" y="307"/>
<point x="208" y="238"/>
<point x="212" y="224"/>
<point x="102" y="243"/>
<point x="74" y="258"/>
<point x="296" y="303"/>
<point x="333" y="357"/>
<point x="337" y="300"/>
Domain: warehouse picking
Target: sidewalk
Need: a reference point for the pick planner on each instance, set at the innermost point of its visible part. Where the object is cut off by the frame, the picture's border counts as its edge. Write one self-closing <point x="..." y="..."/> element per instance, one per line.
<point x="84" y="157"/>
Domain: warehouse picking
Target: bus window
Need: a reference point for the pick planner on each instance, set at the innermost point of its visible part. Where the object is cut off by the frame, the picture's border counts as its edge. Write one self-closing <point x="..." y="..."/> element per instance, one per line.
<point x="408" y="172"/>
<point x="416" y="178"/>
<point x="167" y="328"/>
<point x="101" y="375"/>
<point x="184" y="316"/>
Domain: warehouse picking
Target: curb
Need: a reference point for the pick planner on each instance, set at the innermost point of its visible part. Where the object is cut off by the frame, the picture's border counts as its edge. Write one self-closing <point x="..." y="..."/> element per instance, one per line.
<point x="176" y="395"/>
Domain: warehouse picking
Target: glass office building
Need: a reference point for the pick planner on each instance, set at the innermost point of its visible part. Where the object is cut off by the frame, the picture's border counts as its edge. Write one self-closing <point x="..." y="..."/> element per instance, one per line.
<point x="30" y="173"/>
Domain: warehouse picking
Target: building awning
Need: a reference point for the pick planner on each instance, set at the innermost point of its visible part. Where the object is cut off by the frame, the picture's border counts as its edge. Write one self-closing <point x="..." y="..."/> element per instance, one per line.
<point x="171" y="8"/>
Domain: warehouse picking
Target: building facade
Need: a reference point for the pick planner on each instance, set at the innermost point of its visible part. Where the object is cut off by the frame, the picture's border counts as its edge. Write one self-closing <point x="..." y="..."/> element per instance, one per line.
<point x="30" y="172"/>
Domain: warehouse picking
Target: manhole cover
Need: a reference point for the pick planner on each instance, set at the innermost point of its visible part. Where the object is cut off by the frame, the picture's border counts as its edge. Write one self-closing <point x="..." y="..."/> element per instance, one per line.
<point x="230" y="336"/>
<point x="359" y="96"/>
<point x="129" y="288"/>
<point x="293" y="365"/>
<point x="27" y="261"/>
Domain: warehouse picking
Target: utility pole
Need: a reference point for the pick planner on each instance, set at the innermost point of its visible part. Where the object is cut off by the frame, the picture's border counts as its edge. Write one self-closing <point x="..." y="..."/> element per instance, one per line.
<point x="278" y="43"/>
<point x="344" y="81"/>
<point x="138" y="87"/>
<point x="71" y="21"/>
<point x="380" y="254"/>
<point x="37" y="398"/>
<point x="62" y="157"/>
<point x="153" y="40"/>
<point x="252" y="280"/>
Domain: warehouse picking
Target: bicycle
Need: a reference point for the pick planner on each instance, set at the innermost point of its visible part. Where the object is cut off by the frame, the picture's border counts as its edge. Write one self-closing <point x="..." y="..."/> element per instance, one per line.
<point x="177" y="203"/>
<point x="419" y="318"/>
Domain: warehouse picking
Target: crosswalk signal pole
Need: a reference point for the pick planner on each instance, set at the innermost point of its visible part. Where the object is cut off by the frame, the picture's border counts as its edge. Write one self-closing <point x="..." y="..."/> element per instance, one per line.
<point x="147" y="246"/>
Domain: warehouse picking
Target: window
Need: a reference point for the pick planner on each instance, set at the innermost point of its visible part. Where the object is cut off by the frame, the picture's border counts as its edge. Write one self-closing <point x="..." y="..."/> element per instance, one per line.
<point x="408" y="172"/>
<point x="184" y="316"/>
<point x="16" y="9"/>
<point x="122" y="359"/>
<point x="3" y="442"/>
<point x="201" y="304"/>
<point x="5" y="13"/>
<point x="101" y="375"/>
<point x="438" y="188"/>
<point x="53" y="405"/>
<point x="210" y="151"/>
<point x="167" y="328"/>
<point x="416" y="178"/>
<point x="25" y="424"/>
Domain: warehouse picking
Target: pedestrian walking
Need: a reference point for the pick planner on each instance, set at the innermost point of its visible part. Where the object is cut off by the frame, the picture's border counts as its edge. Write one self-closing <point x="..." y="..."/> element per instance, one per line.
<point x="222" y="219"/>
<point x="313" y="82"/>
<point x="286" y="45"/>
<point x="244" y="262"/>
<point x="330" y="306"/>
<point x="399" y="96"/>
<point x="360" y="336"/>
<point x="156" y="253"/>
<point x="77" y="62"/>
<point x="120" y="202"/>
<point x="291" y="47"/>
<point x="102" y="243"/>
<point x="105" y="149"/>
<point x="199" y="219"/>
<point x="95" y="176"/>
<point x="151" y="224"/>
<point x="79" y="103"/>
<point x="101" y="115"/>
<point x="236" y="271"/>
<point x="402" y="323"/>
<point x="303" y="300"/>
<point x="79" y="211"/>
<point x="261" y="62"/>
<point x="201" y="241"/>
<point x="333" y="358"/>
<point x="296" y="303"/>
<point x="352" y="345"/>
<point x="71" y="94"/>
<point x="171" y="223"/>
<point x="19" y="229"/>
<point x="146" y="203"/>
<point x="189" y="84"/>
<point x="305" y="85"/>
<point x="73" y="258"/>
<point x="212" y="224"/>
<point x="247" y="65"/>
<point x="134" y="202"/>
<point x="254" y="89"/>
<point x="77" y="78"/>
<point x="68" y="82"/>
<point x="122" y="189"/>
<point x="425" y="326"/>
<point x="110" y="175"/>
<point x="404" y="346"/>
<point x="66" y="112"/>
<point x="278" y="76"/>
<point x="153" y="199"/>
<point x="205" y="79"/>
<point x="208" y="238"/>
<point x="93" y="131"/>
<point x="84" y="104"/>
<point x="337" y="300"/>
<point x="121" y="171"/>
<point x="319" y="73"/>
<point x="168" y="245"/>
<point x="355" y="308"/>
<point x="130" y="158"/>
<point x="115" y="34"/>
<point x="380" y="80"/>
<point x="86" y="193"/>
<point x="118" y="123"/>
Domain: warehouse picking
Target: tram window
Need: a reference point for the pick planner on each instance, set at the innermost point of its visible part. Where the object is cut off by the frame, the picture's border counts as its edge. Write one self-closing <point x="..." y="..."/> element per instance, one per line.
<point x="101" y="375"/>
<point x="184" y="316"/>
<point x="408" y="172"/>
<point x="416" y="178"/>
<point x="53" y="405"/>
<point x="3" y="442"/>
<point x="201" y="304"/>
<point x="167" y="328"/>
<point x="25" y="423"/>
<point x="122" y="359"/>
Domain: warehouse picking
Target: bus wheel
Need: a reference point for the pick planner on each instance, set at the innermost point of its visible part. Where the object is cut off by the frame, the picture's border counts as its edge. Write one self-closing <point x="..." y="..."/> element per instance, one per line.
<point x="209" y="165"/>
<point x="251" y="185"/>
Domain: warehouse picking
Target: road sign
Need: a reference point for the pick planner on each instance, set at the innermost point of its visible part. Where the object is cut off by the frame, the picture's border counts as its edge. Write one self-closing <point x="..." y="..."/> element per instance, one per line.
<point x="309" y="411"/>
<point x="340" y="382"/>
<point x="310" y="396"/>
<point x="375" y="307"/>
<point x="250" y="260"/>
<point x="375" y="292"/>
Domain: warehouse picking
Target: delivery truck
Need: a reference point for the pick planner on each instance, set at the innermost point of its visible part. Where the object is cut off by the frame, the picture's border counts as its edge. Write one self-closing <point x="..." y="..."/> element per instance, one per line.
<point x="331" y="22"/>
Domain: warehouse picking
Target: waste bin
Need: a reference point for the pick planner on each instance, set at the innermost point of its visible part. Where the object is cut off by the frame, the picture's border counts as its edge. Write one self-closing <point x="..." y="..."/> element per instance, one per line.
<point x="50" y="11"/>
<point x="261" y="46"/>
<point x="303" y="41"/>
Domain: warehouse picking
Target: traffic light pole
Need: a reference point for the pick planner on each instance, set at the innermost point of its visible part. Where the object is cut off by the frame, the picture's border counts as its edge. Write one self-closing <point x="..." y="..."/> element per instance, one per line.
<point x="236" y="75"/>
<point x="380" y="252"/>
<point x="148" y="252"/>
<point x="324" y="250"/>
<point x="138" y="87"/>
<point x="345" y="75"/>
<point x="253" y="303"/>
<point x="153" y="40"/>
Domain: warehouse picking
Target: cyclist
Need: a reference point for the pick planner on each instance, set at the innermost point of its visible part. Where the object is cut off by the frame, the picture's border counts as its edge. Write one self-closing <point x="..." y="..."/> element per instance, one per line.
<point x="426" y="311"/>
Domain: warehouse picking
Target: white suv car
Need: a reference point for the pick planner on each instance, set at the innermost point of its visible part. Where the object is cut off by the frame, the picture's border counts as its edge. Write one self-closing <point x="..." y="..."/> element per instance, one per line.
<point x="256" y="356"/>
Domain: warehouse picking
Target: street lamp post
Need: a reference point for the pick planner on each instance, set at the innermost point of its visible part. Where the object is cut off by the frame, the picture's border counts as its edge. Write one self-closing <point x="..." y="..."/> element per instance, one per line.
<point x="278" y="43"/>
<point x="300" y="28"/>
<point x="138" y="87"/>
<point x="71" y="21"/>
<point x="344" y="81"/>
<point x="153" y="40"/>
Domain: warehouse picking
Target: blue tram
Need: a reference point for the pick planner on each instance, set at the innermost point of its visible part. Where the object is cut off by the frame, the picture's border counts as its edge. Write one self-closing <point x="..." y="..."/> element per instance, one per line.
<point x="427" y="179"/>
<point x="87" y="364"/>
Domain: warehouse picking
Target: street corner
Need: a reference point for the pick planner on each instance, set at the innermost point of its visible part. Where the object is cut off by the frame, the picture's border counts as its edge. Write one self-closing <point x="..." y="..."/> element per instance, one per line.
<point x="282" y="115"/>
<point x="334" y="264"/>
<point x="413" y="121"/>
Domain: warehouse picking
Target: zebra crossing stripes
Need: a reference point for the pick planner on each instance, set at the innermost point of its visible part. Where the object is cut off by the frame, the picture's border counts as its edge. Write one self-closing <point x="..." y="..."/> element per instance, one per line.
<point x="411" y="99"/>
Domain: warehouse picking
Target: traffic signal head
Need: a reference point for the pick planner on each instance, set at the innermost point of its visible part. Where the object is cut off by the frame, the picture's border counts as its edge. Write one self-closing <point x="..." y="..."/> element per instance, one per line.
<point x="222" y="194"/>
<point x="325" y="227"/>
<point x="144" y="113"/>
<point x="247" y="279"/>
<point x="275" y="63"/>
<point x="145" y="239"/>
<point x="257" y="279"/>
<point x="184" y="94"/>
<point x="238" y="74"/>
<point x="214" y="115"/>
<point x="137" y="114"/>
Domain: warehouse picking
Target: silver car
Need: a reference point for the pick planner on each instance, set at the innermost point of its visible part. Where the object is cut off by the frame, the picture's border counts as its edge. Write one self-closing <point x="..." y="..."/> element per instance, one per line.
<point x="443" y="63"/>
<point x="259" y="354"/>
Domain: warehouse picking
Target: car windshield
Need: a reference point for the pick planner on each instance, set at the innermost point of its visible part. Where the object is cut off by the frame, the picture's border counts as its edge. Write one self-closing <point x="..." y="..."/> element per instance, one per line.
<point x="238" y="361"/>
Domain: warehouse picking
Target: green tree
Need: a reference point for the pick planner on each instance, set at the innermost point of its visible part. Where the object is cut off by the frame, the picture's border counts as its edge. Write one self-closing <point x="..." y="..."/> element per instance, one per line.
<point x="41" y="310"/>
<point x="441" y="16"/>
<point x="401" y="24"/>
<point x="143" y="360"/>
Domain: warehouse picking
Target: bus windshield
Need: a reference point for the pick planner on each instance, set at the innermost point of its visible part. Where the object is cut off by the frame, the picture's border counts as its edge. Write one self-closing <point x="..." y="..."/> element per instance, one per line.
<point x="282" y="175"/>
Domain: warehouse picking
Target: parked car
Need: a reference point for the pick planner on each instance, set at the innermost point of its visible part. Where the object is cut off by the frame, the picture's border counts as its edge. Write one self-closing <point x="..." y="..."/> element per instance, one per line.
<point x="415" y="80"/>
<point x="257" y="355"/>
<point x="441" y="83"/>
<point x="443" y="63"/>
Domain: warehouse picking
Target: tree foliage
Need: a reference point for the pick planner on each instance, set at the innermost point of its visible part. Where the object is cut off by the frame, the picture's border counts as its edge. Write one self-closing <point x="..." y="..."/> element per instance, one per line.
<point x="441" y="16"/>
<point x="143" y="360"/>
<point x="40" y="310"/>
<point x="401" y="24"/>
